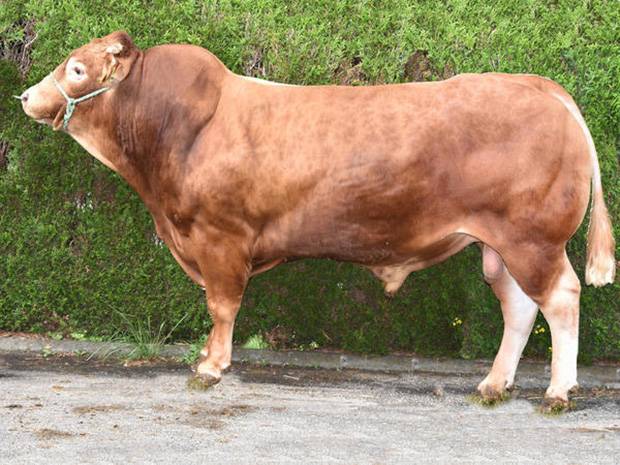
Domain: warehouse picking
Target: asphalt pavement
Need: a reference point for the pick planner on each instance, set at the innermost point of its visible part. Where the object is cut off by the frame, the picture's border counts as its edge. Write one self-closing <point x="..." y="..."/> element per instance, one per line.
<point x="64" y="409"/>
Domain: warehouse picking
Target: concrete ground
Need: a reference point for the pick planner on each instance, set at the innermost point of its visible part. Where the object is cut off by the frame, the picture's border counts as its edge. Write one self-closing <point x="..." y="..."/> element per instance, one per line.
<point x="65" y="409"/>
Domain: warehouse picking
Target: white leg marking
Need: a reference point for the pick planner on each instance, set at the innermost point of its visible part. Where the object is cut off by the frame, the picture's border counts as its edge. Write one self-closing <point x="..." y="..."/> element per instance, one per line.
<point x="562" y="313"/>
<point x="519" y="313"/>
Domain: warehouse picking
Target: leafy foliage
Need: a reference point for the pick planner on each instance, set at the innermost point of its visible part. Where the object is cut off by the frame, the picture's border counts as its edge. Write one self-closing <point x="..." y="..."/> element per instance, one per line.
<point x="77" y="243"/>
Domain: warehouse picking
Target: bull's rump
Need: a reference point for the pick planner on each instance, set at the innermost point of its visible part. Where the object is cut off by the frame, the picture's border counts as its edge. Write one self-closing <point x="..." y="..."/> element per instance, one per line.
<point x="382" y="173"/>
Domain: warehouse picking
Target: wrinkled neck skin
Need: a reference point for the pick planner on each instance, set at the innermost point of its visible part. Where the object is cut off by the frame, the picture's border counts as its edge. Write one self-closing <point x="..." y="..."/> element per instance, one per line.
<point x="144" y="125"/>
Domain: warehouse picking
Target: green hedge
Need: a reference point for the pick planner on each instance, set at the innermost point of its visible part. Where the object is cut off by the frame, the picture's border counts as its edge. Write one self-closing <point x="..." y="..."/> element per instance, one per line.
<point x="78" y="249"/>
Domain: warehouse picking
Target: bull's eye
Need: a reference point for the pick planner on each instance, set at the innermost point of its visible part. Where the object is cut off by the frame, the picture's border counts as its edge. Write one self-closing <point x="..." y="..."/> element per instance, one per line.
<point x="76" y="71"/>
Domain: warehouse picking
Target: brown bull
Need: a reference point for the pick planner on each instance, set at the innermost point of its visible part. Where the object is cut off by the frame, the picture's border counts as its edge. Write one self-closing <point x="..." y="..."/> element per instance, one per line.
<point x="242" y="174"/>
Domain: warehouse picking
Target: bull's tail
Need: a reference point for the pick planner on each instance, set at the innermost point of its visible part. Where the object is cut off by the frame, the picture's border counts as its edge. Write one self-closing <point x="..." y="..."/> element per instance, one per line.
<point x="600" y="261"/>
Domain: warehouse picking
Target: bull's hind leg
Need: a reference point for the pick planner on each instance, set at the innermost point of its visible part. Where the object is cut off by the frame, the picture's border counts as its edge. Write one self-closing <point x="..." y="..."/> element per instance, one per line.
<point x="546" y="275"/>
<point x="561" y="310"/>
<point x="519" y="312"/>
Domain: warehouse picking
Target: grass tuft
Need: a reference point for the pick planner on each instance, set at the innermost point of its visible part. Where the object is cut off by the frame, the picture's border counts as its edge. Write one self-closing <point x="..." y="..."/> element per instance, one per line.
<point x="256" y="341"/>
<point x="147" y="339"/>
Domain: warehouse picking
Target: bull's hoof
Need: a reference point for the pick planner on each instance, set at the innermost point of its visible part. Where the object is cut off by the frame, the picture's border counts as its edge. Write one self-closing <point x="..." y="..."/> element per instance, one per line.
<point x="490" y="396"/>
<point x="556" y="400"/>
<point x="556" y="406"/>
<point x="202" y="382"/>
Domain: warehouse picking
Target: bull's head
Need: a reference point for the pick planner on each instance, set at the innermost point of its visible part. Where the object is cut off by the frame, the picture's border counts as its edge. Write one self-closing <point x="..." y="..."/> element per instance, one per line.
<point x="89" y="72"/>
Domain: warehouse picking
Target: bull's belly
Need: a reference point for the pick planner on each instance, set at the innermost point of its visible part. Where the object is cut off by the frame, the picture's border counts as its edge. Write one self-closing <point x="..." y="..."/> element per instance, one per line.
<point x="390" y="262"/>
<point x="398" y="247"/>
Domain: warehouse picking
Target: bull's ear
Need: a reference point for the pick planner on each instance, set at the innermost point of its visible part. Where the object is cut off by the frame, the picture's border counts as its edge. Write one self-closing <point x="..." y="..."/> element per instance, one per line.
<point x="119" y="55"/>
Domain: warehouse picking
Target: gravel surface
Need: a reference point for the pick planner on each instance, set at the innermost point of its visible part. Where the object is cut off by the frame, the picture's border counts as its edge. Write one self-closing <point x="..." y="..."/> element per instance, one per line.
<point x="69" y="410"/>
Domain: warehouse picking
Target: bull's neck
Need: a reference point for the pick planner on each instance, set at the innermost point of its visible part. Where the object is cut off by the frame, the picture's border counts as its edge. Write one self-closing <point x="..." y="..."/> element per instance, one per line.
<point x="153" y="118"/>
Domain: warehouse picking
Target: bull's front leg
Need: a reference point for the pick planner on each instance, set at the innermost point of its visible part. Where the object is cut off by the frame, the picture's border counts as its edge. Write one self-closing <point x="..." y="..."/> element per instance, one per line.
<point x="226" y="277"/>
